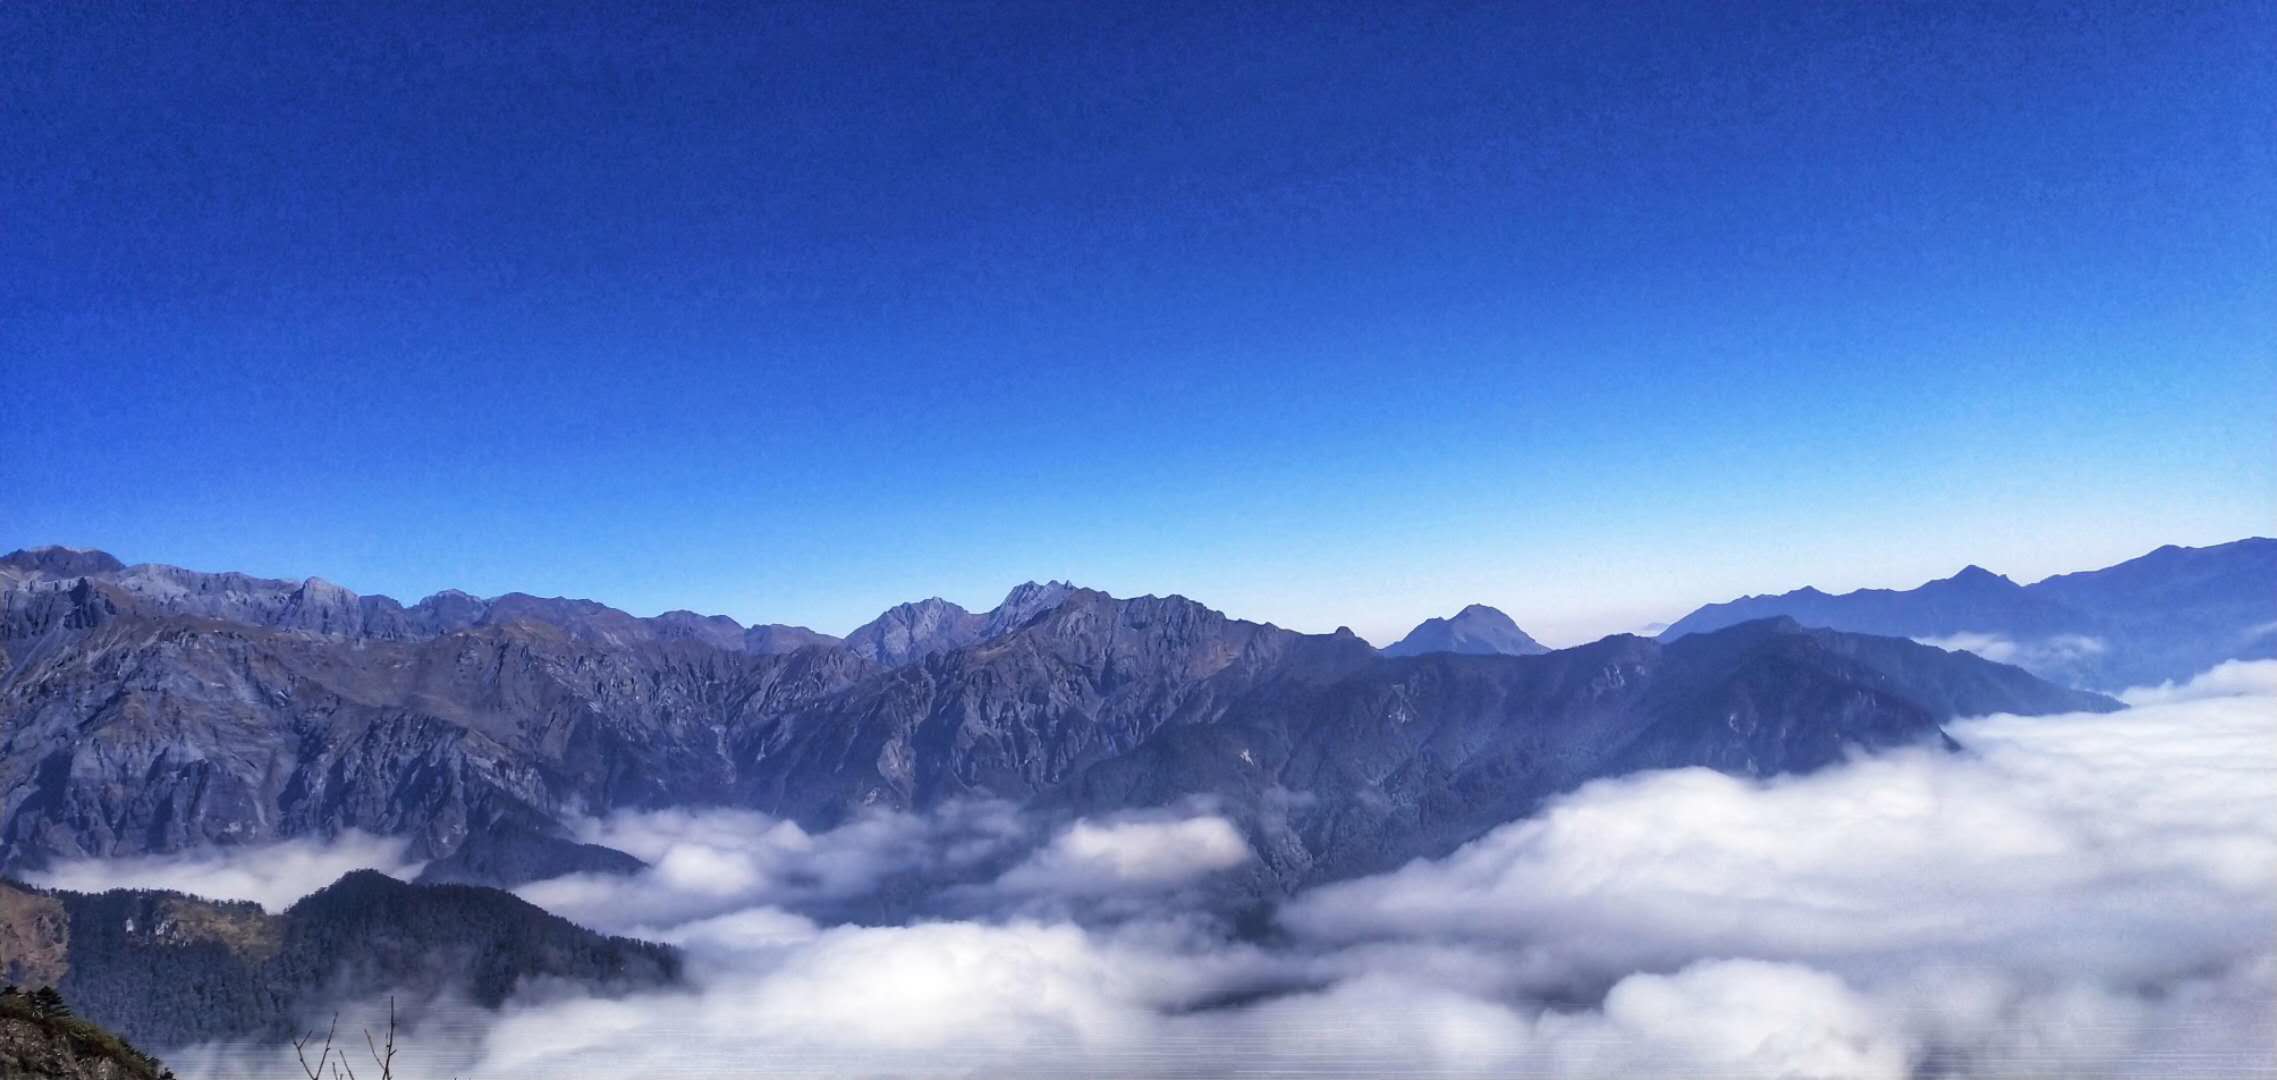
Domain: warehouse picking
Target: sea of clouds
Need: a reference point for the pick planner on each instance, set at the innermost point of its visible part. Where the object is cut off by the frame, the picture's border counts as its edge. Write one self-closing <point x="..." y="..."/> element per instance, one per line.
<point x="2089" y="895"/>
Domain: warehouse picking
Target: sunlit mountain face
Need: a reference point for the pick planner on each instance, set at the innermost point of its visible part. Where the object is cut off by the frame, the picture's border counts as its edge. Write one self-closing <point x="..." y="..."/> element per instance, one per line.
<point x="953" y="539"/>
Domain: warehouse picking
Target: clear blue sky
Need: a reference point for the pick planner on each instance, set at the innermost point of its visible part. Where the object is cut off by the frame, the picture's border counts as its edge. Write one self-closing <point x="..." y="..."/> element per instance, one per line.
<point x="1322" y="314"/>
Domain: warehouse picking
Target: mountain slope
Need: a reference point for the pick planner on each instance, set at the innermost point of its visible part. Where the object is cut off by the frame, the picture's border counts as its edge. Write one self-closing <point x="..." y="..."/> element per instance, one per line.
<point x="1477" y="630"/>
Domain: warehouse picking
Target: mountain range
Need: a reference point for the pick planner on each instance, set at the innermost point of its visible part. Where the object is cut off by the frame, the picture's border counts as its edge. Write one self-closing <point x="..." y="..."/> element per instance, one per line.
<point x="150" y="709"/>
<point x="2163" y="617"/>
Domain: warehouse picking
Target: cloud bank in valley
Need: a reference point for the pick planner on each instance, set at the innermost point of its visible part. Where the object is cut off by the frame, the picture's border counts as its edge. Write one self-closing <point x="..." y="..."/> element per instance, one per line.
<point x="715" y="862"/>
<point x="2056" y="652"/>
<point x="1135" y="854"/>
<point x="2091" y="894"/>
<point x="2236" y="678"/>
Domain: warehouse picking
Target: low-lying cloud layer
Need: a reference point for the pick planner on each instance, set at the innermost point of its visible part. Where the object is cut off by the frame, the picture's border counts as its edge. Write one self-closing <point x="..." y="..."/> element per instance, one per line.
<point x="2084" y="895"/>
<point x="2237" y="678"/>
<point x="709" y="863"/>
<point x="2056" y="652"/>
<point x="1133" y="855"/>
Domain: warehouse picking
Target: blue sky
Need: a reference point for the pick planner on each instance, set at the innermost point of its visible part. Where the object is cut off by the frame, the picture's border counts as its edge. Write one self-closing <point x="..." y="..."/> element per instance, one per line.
<point x="1324" y="314"/>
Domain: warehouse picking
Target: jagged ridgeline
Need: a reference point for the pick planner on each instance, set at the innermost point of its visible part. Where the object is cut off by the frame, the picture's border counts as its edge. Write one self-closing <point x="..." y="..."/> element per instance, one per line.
<point x="165" y="969"/>
<point x="153" y="709"/>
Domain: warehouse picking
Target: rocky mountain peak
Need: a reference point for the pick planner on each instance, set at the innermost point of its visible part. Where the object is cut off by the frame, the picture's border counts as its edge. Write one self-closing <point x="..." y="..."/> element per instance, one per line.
<point x="1476" y="630"/>
<point x="717" y="631"/>
<point x="450" y="611"/>
<point x="321" y="607"/>
<point x="1025" y="602"/>
<point x="912" y="631"/>
<point x="1975" y="575"/>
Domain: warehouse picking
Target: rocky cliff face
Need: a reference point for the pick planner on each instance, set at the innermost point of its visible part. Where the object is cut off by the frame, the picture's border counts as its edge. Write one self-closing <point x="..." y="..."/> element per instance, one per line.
<point x="134" y="720"/>
<point x="38" y="1046"/>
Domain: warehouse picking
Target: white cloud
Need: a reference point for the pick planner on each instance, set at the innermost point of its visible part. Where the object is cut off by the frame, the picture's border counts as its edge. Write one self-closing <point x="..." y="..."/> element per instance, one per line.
<point x="272" y="875"/>
<point x="712" y="862"/>
<point x="1732" y="1018"/>
<point x="1135" y="854"/>
<point x="2233" y="678"/>
<point x="2053" y="653"/>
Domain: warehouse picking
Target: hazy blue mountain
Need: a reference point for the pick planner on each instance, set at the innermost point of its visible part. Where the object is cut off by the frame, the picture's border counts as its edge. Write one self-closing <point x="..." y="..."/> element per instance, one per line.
<point x="2162" y="617"/>
<point x="1975" y="599"/>
<point x="166" y="969"/>
<point x="1477" y="630"/>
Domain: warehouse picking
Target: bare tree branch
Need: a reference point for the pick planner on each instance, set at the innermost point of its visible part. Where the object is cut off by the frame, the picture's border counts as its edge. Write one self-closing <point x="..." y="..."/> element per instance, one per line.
<point x="300" y="1050"/>
<point x="386" y="1058"/>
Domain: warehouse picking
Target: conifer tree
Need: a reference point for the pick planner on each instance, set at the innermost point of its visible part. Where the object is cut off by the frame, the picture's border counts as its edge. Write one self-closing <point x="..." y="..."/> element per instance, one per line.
<point x="47" y="1003"/>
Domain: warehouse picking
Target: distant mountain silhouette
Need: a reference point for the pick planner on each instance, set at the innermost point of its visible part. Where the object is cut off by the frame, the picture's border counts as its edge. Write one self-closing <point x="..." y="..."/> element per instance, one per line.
<point x="2162" y="617"/>
<point x="1477" y="630"/>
